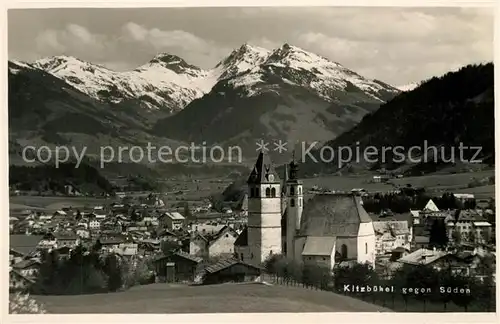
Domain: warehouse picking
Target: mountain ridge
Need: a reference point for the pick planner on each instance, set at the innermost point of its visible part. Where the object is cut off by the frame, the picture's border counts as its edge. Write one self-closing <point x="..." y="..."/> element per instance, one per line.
<point x="288" y="94"/>
<point x="165" y="83"/>
<point x="444" y="112"/>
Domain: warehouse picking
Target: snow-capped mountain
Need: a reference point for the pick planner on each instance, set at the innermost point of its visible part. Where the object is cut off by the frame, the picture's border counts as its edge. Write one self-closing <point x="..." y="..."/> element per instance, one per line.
<point x="287" y="94"/>
<point x="17" y="66"/>
<point x="165" y="82"/>
<point x="408" y="87"/>
<point x="168" y="83"/>
<point x="241" y="60"/>
<point x="299" y="67"/>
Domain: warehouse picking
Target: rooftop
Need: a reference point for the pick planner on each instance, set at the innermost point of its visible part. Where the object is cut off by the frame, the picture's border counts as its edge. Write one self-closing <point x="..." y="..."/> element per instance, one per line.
<point x="175" y="216"/>
<point x="263" y="171"/>
<point x="333" y="215"/>
<point x="423" y="256"/>
<point x="322" y="246"/>
<point x="24" y="244"/>
<point x="226" y="263"/>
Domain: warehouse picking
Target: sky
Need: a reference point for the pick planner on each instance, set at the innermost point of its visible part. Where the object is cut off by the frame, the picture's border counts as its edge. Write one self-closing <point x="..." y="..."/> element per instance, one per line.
<point x="395" y="45"/>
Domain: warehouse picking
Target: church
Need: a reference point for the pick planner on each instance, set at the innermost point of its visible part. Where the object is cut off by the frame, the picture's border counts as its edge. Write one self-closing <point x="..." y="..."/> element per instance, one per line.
<point x="329" y="228"/>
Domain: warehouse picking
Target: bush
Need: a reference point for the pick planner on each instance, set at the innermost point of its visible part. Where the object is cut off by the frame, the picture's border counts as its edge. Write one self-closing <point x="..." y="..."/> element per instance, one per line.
<point x="21" y="303"/>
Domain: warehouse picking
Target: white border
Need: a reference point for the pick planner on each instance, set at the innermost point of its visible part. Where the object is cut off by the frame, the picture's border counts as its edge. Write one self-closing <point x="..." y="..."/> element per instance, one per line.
<point x="237" y="317"/>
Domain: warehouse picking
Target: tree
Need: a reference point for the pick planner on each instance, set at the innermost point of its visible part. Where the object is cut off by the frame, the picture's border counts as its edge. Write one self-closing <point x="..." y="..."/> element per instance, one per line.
<point x="361" y="274"/>
<point x="473" y="236"/>
<point x="456" y="236"/>
<point x="465" y="297"/>
<point x="112" y="270"/>
<point x="169" y="247"/>
<point x="78" y="215"/>
<point x="187" y="211"/>
<point x="46" y="282"/>
<point x="24" y="304"/>
<point x="438" y="237"/>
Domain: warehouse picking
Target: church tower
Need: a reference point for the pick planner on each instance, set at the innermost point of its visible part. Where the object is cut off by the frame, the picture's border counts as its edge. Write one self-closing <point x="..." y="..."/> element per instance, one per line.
<point x="264" y="211"/>
<point x="295" y="205"/>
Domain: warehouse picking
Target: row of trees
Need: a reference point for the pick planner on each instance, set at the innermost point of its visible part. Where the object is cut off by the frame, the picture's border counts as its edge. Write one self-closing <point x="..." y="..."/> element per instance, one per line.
<point x="88" y="271"/>
<point x="50" y="179"/>
<point x="481" y="293"/>
<point x="403" y="202"/>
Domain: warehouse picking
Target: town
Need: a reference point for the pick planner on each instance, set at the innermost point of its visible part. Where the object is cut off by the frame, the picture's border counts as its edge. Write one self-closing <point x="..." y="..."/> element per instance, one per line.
<point x="278" y="227"/>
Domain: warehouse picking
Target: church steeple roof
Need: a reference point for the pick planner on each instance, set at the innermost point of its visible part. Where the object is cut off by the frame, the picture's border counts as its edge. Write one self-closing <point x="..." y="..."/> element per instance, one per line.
<point x="293" y="168"/>
<point x="263" y="171"/>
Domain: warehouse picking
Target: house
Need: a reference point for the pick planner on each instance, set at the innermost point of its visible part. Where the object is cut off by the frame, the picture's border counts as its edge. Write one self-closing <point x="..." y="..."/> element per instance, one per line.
<point x="483" y="231"/>
<point x="45" y="218"/>
<point x="166" y="235"/>
<point x="18" y="282"/>
<point x="380" y="178"/>
<point x="421" y="241"/>
<point x="185" y="266"/>
<point x="126" y="249"/>
<point x="229" y="270"/>
<point x="459" y="263"/>
<point x="320" y="251"/>
<point x="28" y="268"/>
<point x="415" y="216"/>
<point x="390" y="235"/>
<point x="207" y="229"/>
<point x="431" y="206"/>
<point x="70" y="240"/>
<point x="471" y="226"/>
<point x="82" y="232"/>
<point x="398" y="253"/>
<point x="392" y="230"/>
<point x="337" y="219"/>
<point x="208" y="246"/>
<point x="111" y="243"/>
<point x="120" y="194"/>
<point x="59" y="216"/>
<point x="22" y="246"/>
<point x="94" y="224"/>
<point x="423" y="257"/>
<point x="48" y="241"/>
<point x="172" y="220"/>
<point x="464" y="197"/>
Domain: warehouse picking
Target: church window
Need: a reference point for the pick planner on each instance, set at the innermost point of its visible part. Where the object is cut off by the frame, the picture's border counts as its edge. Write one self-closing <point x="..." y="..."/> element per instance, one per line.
<point x="300" y="190"/>
<point x="273" y="192"/>
<point x="268" y="192"/>
<point x="343" y="251"/>
<point x="292" y="190"/>
<point x="241" y="256"/>
<point x="292" y="202"/>
<point x="366" y="248"/>
<point x="251" y="256"/>
<point x="256" y="192"/>
<point x="300" y="202"/>
<point x="252" y="192"/>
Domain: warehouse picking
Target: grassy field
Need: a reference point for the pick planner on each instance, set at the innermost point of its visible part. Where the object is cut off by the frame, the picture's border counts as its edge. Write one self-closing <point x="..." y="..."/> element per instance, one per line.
<point x="483" y="192"/>
<point x="435" y="182"/>
<point x="224" y="298"/>
<point x="54" y="203"/>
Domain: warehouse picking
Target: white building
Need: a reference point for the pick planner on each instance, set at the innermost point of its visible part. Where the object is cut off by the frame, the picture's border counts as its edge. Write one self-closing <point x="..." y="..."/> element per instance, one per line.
<point x="94" y="224"/>
<point x="262" y="237"/>
<point x="329" y="229"/>
<point x="173" y="220"/>
<point x="390" y="235"/>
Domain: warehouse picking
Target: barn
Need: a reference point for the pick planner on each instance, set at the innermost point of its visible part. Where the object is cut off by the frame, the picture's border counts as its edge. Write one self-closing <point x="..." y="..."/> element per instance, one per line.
<point x="230" y="270"/>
